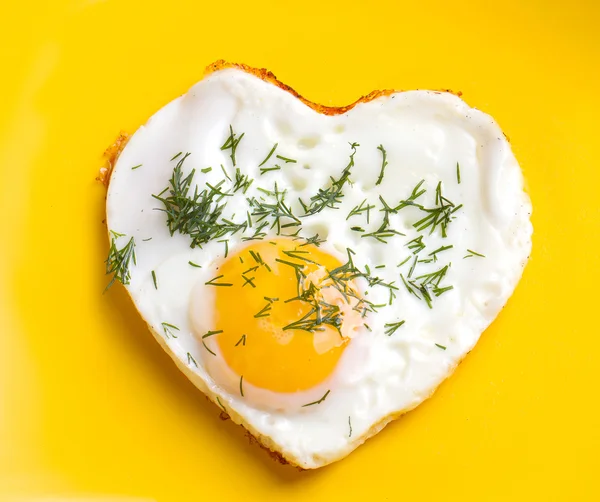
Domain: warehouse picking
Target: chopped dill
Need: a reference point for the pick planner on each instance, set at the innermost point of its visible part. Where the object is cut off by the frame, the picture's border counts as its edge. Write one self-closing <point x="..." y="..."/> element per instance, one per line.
<point x="269" y="155"/>
<point x="213" y="283"/>
<point x="332" y="195"/>
<point x="391" y="328"/>
<point x="119" y="260"/>
<point x="285" y="159"/>
<point x="191" y="360"/>
<point x="384" y="163"/>
<point x="319" y="401"/>
<point x="232" y="143"/>
<point x="473" y="253"/>
<point x="169" y="330"/>
<point x="438" y="216"/>
<point x="361" y="208"/>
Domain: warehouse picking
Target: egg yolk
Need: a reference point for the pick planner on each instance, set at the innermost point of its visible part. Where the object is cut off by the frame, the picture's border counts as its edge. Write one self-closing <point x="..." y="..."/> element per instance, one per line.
<point x="282" y="323"/>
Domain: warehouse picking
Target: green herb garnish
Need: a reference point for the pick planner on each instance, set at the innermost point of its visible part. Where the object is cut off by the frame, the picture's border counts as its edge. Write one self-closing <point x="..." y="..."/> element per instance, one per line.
<point x="473" y="253"/>
<point x="391" y="328"/>
<point x="264" y="170"/>
<point x="191" y="360"/>
<point x="119" y="260"/>
<point x="232" y="143"/>
<point x="319" y="401"/>
<point x="383" y="164"/>
<point x="269" y="155"/>
<point x="361" y="208"/>
<point x="276" y="210"/>
<point x="169" y="329"/>
<point x="286" y="160"/>
<point x="213" y="283"/>
<point x="332" y="195"/>
<point x="438" y="216"/>
<point x="197" y="215"/>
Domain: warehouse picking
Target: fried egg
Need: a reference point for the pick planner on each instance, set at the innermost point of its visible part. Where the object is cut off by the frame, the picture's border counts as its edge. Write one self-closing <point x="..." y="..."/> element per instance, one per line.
<point x="316" y="272"/>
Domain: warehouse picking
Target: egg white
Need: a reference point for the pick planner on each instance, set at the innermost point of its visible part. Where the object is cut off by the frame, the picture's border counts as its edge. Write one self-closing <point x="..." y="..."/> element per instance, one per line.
<point x="425" y="135"/>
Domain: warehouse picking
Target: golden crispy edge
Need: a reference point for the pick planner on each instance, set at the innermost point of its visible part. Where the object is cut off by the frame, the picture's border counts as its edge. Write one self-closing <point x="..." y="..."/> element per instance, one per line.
<point x="111" y="156"/>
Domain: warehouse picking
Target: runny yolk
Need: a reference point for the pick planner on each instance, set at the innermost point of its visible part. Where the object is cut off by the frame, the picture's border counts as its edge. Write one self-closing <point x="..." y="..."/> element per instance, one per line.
<point x="267" y="334"/>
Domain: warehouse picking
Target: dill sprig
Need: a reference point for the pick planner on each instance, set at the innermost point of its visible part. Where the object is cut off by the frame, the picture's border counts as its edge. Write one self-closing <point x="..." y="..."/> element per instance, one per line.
<point x="286" y="159"/>
<point x="473" y="253"/>
<point x="361" y="208"/>
<point x="384" y="231"/>
<point x="119" y="260"/>
<point x="213" y="283"/>
<point x="225" y="172"/>
<point x="277" y="210"/>
<point x="191" y="360"/>
<point x="416" y="245"/>
<point x="426" y="285"/>
<point x="391" y="328"/>
<point x="258" y="234"/>
<point x="264" y="170"/>
<point x="440" y="250"/>
<point x="208" y="335"/>
<point x="319" y="401"/>
<point x="315" y="240"/>
<point x="438" y="216"/>
<point x="415" y="194"/>
<point x="320" y="314"/>
<point x="232" y="143"/>
<point x="169" y="330"/>
<point x="269" y="155"/>
<point x="265" y="311"/>
<point x="242" y="182"/>
<point x="198" y="215"/>
<point x="332" y="195"/>
<point x="384" y="163"/>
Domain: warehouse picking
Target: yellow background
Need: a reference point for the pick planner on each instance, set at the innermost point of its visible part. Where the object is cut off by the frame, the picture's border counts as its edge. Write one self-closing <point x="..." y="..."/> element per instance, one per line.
<point x="89" y="403"/>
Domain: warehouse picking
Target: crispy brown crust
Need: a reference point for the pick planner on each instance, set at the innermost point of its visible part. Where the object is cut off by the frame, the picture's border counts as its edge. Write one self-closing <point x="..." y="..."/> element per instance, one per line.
<point x="269" y="77"/>
<point x="111" y="154"/>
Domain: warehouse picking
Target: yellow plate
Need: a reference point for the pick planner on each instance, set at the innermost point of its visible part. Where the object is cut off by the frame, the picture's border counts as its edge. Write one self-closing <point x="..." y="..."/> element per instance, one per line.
<point x="91" y="406"/>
